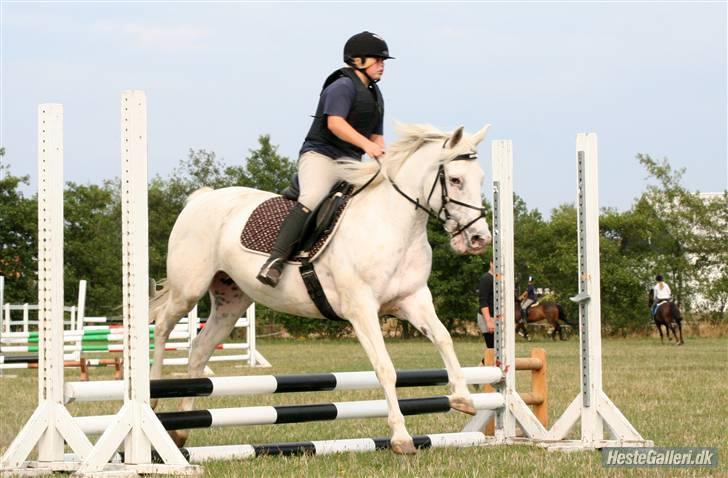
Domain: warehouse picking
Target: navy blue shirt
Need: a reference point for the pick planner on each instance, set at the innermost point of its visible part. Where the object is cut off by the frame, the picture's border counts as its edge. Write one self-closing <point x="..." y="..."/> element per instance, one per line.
<point x="337" y="99"/>
<point x="485" y="292"/>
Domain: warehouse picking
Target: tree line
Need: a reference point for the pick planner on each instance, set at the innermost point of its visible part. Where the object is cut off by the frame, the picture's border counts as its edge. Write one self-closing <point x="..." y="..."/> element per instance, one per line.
<point x="667" y="230"/>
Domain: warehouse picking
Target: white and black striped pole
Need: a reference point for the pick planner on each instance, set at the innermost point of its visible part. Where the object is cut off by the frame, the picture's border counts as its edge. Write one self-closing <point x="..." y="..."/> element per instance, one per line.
<point x="202" y="454"/>
<point x="274" y="415"/>
<point x="267" y="384"/>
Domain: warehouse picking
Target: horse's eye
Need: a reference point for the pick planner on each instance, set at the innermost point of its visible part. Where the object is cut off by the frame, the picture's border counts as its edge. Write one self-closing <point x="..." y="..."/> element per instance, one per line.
<point x="456" y="181"/>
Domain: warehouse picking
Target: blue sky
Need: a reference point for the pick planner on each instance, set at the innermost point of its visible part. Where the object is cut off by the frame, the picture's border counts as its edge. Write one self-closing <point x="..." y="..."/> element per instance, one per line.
<point x="647" y="77"/>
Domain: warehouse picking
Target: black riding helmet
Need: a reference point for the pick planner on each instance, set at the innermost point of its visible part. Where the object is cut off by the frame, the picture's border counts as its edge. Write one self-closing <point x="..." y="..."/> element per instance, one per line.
<point x="659" y="278"/>
<point x="365" y="44"/>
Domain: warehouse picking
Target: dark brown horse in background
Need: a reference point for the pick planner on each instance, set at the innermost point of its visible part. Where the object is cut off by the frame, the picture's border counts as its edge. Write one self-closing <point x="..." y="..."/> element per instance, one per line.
<point x="543" y="310"/>
<point x="667" y="315"/>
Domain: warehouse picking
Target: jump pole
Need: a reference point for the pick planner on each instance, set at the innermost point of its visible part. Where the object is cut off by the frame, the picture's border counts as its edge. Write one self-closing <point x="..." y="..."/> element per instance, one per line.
<point x="135" y="425"/>
<point x="274" y="384"/>
<point x="50" y="424"/>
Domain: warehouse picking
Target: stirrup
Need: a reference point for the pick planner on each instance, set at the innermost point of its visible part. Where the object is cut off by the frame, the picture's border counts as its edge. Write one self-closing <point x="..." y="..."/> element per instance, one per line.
<point x="270" y="273"/>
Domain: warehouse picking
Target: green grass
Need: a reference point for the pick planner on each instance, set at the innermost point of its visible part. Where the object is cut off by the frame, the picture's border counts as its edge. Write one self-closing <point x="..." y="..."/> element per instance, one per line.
<point x="675" y="396"/>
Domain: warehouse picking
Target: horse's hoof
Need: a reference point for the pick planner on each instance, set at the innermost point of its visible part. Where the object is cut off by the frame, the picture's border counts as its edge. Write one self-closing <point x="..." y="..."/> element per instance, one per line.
<point x="404" y="447"/>
<point x="179" y="437"/>
<point x="463" y="404"/>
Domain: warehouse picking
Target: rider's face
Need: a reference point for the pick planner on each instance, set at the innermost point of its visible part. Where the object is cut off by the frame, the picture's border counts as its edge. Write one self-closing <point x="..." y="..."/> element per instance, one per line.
<point x="376" y="69"/>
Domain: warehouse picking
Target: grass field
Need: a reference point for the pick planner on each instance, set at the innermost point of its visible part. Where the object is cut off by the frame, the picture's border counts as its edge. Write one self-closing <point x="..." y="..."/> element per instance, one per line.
<point x="675" y="396"/>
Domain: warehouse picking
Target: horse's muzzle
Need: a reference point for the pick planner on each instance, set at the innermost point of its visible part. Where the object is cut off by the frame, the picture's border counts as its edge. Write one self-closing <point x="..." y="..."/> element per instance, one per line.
<point x="474" y="242"/>
<point x="478" y="242"/>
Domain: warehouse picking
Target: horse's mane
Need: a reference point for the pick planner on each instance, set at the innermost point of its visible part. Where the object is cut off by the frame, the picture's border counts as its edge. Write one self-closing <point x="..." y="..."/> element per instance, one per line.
<point x="411" y="138"/>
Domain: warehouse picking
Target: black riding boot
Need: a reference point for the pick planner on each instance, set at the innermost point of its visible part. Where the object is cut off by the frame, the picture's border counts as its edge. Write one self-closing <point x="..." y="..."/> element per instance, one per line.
<point x="289" y="234"/>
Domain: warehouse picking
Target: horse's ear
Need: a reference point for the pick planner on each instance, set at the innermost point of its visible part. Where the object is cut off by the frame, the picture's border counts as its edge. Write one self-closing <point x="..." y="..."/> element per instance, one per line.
<point x="480" y="135"/>
<point x="455" y="138"/>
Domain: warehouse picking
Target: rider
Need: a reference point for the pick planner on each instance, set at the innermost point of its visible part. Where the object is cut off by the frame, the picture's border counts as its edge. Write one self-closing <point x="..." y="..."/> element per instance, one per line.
<point x="660" y="292"/>
<point x="348" y="123"/>
<point x="528" y="298"/>
<point x="487" y="311"/>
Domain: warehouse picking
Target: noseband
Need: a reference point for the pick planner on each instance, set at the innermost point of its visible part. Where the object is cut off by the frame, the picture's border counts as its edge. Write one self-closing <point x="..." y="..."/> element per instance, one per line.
<point x="450" y="225"/>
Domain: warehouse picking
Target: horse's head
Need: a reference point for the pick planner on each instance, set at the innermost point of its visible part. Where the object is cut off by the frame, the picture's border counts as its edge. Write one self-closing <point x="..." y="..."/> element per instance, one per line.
<point x="444" y="179"/>
<point x="459" y="205"/>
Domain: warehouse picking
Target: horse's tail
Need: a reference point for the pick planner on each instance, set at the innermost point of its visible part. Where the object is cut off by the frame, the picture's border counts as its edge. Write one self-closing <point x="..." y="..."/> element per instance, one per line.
<point x="197" y="193"/>
<point x="562" y="316"/>
<point x="157" y="298"/>
<point x="676" y="313"/>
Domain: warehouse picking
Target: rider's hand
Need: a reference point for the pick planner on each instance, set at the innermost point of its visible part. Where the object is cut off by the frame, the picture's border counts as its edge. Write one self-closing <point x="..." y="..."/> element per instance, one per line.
<point x="373" y="150"/>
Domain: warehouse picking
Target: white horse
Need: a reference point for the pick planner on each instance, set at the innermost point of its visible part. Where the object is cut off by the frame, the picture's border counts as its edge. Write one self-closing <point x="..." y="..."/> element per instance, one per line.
<point x="377" y="263"/>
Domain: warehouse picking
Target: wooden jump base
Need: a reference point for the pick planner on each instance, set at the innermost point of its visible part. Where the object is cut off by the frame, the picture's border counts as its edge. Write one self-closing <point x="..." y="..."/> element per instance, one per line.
<point x="537" y="398"/>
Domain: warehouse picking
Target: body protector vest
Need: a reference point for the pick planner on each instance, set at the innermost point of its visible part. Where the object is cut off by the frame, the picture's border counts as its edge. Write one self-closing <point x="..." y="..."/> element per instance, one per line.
<point x="365" y="114"/>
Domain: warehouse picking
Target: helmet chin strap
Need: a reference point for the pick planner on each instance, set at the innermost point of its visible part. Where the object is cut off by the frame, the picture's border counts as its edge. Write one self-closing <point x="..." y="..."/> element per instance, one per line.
<point x="363" y="69"/>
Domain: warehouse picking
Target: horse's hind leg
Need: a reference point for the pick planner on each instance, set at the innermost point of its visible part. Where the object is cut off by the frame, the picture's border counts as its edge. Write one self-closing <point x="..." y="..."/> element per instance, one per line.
<point x="420" y="312"/>
<point x="228" y="305"/>
<point x="674" y="327"/>
<point x="677" y="319"/>
<point x="679" y="328"/>
<point x="166" y="308"/>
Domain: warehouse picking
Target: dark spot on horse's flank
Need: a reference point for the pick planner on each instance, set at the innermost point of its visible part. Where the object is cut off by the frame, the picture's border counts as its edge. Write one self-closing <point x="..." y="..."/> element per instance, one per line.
<point x="235" y="286"/>
<point x="227" y="280"/>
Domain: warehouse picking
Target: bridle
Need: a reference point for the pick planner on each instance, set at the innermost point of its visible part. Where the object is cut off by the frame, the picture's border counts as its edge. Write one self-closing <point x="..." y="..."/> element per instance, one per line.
<point x="450" y="225"/>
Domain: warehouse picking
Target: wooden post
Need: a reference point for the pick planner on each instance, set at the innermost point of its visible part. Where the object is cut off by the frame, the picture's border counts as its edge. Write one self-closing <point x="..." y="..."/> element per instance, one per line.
<point x="537" y="398"/>
<point x="84" y="369"/>
<point x="540" y="387"/>
<point x="118" y="375"/>
<point x="489" y="361"/>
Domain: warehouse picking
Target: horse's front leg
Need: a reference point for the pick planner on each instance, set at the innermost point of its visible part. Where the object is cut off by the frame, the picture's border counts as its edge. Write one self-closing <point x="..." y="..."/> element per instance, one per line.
<point x="419" y="311"/>
<point x="365" y="320"/>
<point x="659" y="329"/>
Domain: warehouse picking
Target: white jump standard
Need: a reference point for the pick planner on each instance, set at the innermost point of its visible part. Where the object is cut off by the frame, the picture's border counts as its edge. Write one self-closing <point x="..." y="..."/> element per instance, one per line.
<point x="50" y="425"/>
<point x="591" y="406"/>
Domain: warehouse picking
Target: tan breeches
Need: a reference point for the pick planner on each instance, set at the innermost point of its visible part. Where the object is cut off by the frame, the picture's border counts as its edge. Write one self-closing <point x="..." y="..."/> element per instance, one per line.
<point x="316" y="177"/>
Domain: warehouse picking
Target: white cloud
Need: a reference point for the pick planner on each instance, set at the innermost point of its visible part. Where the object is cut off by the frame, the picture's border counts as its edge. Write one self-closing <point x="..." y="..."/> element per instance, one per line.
<point x="155" y="36"/>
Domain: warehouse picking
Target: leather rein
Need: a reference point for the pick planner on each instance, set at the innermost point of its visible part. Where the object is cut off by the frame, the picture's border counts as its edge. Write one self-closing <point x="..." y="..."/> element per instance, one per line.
<point x="450" y="225"/>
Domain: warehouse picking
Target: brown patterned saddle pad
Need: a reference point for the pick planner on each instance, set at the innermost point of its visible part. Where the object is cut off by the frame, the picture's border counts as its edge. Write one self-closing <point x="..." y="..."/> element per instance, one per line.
<point x="261" y="230"/>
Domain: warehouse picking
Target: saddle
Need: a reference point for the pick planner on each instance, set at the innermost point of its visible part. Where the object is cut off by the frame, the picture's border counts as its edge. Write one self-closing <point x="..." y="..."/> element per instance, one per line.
<point x="657" y="306"/>
<point x="261" y="229"/>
